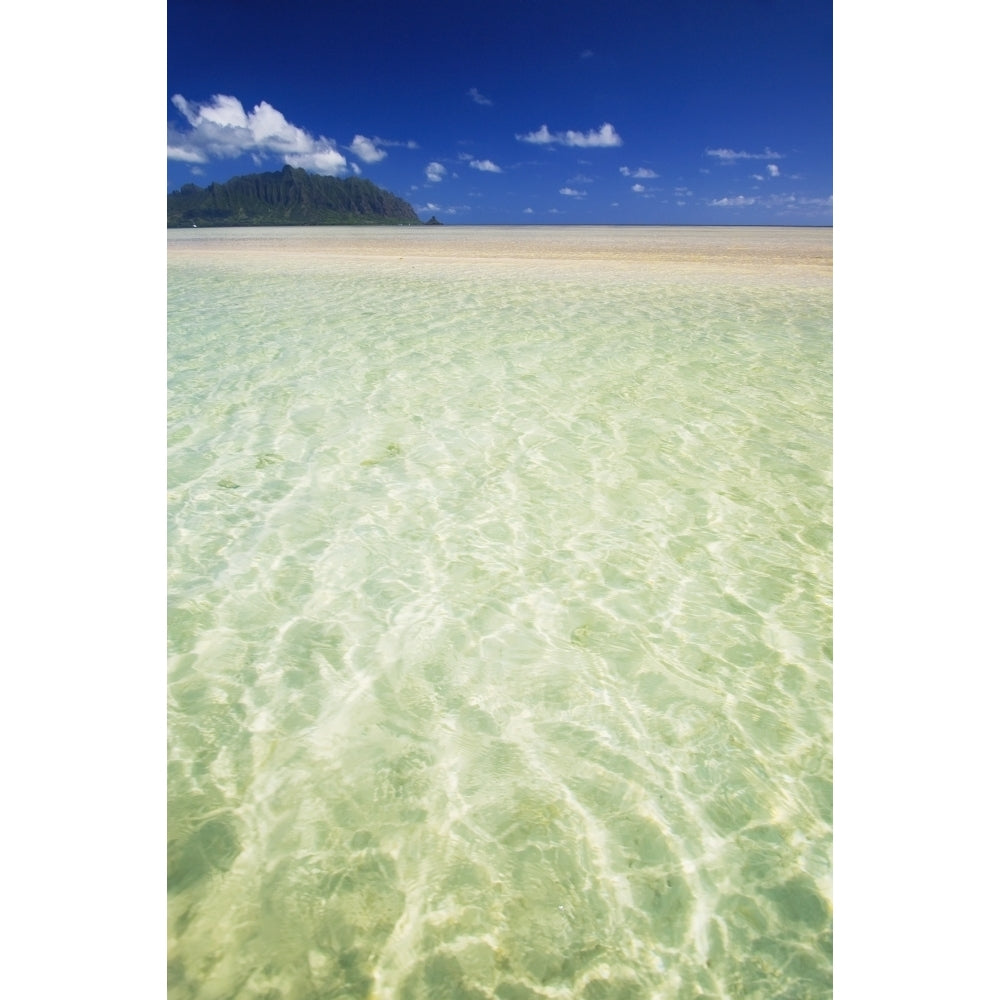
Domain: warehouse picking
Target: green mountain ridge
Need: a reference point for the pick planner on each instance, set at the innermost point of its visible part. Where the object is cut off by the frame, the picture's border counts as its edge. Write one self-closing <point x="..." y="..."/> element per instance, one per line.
<point x="289" y="197"/>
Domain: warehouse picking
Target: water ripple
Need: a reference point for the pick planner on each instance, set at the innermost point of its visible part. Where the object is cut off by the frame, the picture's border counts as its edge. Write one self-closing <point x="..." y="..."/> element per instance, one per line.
<point x="499" y="615"/>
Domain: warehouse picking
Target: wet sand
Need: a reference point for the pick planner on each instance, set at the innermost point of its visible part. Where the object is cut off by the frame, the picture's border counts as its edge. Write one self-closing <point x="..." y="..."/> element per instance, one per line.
<point x="796" y="255"/>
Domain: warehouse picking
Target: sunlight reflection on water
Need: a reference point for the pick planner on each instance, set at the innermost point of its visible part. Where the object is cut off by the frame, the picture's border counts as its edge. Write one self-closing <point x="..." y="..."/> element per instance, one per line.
<point x="499" y="613"/>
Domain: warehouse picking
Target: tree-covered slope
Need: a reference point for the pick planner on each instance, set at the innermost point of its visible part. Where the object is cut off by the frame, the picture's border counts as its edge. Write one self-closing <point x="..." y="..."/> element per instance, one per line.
<point x="289" y="197"/>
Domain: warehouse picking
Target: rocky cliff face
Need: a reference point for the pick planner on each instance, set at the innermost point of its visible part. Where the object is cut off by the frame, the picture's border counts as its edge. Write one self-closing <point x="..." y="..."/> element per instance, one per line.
<point x="289" y="197"/>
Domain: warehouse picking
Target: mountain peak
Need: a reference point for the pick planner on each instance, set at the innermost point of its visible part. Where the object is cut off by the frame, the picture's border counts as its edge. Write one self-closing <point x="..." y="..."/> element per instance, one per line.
<point x="289" y="197"/>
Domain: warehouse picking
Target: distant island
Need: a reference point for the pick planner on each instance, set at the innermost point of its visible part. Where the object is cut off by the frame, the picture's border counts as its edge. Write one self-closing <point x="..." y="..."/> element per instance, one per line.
<point x="289" y="197"/>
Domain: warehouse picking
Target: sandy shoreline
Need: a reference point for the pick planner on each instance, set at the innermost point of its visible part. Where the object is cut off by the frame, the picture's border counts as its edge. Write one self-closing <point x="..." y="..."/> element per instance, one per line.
<point x="795" y="254"/>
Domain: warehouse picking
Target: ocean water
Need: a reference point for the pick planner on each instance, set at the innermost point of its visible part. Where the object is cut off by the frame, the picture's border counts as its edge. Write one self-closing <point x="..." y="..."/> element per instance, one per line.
<point x="499" y="613"/>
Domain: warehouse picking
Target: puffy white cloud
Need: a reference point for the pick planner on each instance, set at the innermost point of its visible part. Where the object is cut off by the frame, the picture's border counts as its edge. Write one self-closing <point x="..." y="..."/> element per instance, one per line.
<point x="572" y="192"/>
<point x="221" y="128"/>
<point x="488" y="166"/>
<point x="365" y="149"/>
<point x="541" y="137"/>
<point x="216" y="131"/>
<point x="643" y="172"/>
<point x="477" y="97"/>
<point x="321" y="161"/>
<point x="638" y="188"/>
<point x="731" y="155"/>
<point x="271" y="130"/>
<point x="529" y="211"/>
<point x="223" y="111"/>
<point x="435" y="171"/>
<point x="604" y="136"/>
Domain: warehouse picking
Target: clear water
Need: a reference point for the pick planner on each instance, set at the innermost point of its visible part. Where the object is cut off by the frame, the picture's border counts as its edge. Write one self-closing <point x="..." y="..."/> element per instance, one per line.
<point x="499" y="613"/>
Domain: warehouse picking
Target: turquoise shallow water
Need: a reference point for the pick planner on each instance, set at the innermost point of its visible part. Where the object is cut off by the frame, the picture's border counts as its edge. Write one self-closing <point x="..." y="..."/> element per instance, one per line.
<point x="499" y="613"/>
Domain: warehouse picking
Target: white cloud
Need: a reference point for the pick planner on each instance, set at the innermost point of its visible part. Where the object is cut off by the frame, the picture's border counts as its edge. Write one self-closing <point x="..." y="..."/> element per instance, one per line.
<point x="435" y="171"/>
<point x="683" y="192"/>
<point x="488" y="166"/>
<point x="322" y="161"/>
<point x="271" y="130"/>
<point x="541" y="137"/>
<point x="638" y="188"/>
<point x="738" y="201"/>
<point x="409" y="144"/>
<point x="642" y="172"/>
<point x="365" y="149"/>
<point x="730" y="155"/>
<point x="797" y="203"/>
<point x="440" y="209"/>
<point x="529" y="211"/>
<point x="782" y="204"/>
<point x="223" y="111"/>
<point x="604" y="136"/>
<point x="222" y="129"/>
<point x="572" y="192"/>
<point x="479" y="98"/>
<point x="186" y="155"/>
<point x="772" y="169"/>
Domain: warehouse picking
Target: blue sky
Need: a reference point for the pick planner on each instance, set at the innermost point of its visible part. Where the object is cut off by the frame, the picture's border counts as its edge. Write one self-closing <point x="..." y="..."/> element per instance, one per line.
<point x="529" y="111"/>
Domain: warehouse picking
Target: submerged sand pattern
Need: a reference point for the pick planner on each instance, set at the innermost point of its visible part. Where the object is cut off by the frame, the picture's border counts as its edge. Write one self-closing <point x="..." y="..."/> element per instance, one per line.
<point x="499" y="613"/>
